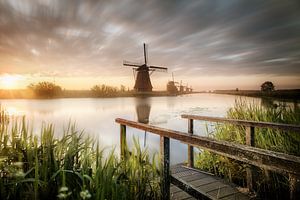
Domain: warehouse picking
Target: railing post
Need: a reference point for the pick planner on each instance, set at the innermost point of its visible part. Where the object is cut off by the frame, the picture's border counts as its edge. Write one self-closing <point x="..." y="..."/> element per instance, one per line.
<point x="250" y="134"/>
<point x="165" y="162"/>
<point x="123" y="144"/>
<point x="294" y="186"/>
<point x="190" y="147"/>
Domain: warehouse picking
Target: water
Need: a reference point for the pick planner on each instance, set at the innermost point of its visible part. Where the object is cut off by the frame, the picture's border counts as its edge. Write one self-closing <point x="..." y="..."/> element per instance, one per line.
<point x="96" y="116"/>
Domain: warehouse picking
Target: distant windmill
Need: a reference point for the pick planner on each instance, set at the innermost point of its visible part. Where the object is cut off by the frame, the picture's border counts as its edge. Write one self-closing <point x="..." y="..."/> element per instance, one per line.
<point x="142" y="81"/>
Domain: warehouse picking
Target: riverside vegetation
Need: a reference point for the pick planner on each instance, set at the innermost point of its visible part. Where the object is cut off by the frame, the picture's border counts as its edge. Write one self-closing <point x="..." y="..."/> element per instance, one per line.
<point x="75" y="167"/>
<point x="69" y="167"/>
<point x="268" y="184"/>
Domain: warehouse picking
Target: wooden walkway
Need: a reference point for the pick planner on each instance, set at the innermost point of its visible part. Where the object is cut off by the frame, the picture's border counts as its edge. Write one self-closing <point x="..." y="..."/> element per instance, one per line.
<point x="180" y="182"/>
<point x="201" y="184"/>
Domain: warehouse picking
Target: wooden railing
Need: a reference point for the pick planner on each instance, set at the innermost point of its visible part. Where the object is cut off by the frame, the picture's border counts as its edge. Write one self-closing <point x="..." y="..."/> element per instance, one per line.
<point x="270" y="160"/>
<point x="250" y="135"/>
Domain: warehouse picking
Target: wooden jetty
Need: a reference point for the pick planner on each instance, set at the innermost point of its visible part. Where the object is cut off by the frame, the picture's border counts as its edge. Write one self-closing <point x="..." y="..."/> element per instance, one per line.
<point x="185" y="182"/>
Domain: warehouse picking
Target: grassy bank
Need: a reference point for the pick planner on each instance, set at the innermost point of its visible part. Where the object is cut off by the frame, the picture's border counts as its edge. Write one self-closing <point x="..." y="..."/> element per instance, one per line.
<point x="70" y="167"/>
<point x="268" y="185"/>
<point x="277" y="94"/>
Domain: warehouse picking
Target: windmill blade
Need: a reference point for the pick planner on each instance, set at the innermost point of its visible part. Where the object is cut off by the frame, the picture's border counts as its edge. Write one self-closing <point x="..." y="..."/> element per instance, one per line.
<point x="131" y="64"/>
<point x="145" y="53"/>
<point x="160" y="68"/>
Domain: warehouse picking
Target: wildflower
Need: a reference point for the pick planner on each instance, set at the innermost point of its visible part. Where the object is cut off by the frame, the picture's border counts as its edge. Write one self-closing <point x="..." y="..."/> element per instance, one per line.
<point x="63" y="189"/>
<point x="63" y="193"/>
<point x="62" y="196"/>
<point x="20" y="174"/>
<point x="18" y="164"/>
<point x="85" y="194"/>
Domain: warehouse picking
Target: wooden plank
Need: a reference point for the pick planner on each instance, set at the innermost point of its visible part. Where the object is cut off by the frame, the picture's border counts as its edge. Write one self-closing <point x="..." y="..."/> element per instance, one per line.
<point x="222" y="192"/>
<point x="285" y="127"/>
<point x="190" y="147"/>
<point x="236" y="196"/>
<point x="250" y="137"/>
<point x="262" y="158"/>
<point x="212" y="186"/>
<point x="178" y="194"/>
<point x="165" y="162"/>
<point x="203" y="181"/>
<point x="123" y="141"/>
<point x="202" y="185"/>
<point x="184" y="173"/>
<point x="178" y="168"/>
<point x="191" y="190"/>
<point x="174" y="189"/>
<point x="193" y="177"/>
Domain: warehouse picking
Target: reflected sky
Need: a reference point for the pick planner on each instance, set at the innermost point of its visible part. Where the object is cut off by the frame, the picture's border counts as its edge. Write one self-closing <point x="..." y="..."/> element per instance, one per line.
<point x="96" y="116"/>
<point x="210" y="44"/>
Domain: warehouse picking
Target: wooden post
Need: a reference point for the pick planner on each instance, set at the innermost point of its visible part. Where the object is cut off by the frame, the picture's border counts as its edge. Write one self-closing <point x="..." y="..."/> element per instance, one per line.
<point x="294" y="187"/>
<point x="165" y="162"/>
<point x="190" y="147"/>
<point x="250" y="134"/>
<point x="123" y="144"/>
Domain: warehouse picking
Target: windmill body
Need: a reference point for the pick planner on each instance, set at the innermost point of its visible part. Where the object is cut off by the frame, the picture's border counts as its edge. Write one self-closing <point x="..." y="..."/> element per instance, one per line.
<point x="143" y="72"/>
<point x="143" y="82"/>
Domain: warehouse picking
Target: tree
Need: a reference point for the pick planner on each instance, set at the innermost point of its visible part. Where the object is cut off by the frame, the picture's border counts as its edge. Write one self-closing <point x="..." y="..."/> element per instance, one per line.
<point x="104" y="90"/>
<point x="267" y="86"/>
<point x="45" y="89"/>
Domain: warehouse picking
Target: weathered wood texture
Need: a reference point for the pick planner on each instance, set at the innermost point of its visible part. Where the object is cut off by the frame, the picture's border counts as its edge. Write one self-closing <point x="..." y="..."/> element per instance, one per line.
<point x="250" y="134"/>
<point x="190" y="147"/>
<point x="285" y="127"/>
<point x="202" y="185"/>
<point x="178" y="194"/>
<point x="270" y="160"/>
<point x="165" y="162"/>
<point x="123" y="144"/>
<point x="250" y="140"/>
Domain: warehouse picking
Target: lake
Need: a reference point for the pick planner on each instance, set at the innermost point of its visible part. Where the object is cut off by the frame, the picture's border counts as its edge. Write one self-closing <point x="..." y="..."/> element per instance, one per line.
<point x="96" y="116"/>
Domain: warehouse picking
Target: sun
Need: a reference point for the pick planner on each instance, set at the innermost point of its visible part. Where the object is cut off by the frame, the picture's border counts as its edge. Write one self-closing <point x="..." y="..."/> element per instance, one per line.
<point x="8" y="81"/>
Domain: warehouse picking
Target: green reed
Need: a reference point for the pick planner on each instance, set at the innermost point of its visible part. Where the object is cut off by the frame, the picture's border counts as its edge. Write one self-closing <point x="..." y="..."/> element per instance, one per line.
<point x="267" y="183"/>
<point x="70" y="167"/>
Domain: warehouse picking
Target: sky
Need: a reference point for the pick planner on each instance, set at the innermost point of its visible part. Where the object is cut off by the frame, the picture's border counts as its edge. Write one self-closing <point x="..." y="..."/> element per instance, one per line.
<point x="207" y="44"/>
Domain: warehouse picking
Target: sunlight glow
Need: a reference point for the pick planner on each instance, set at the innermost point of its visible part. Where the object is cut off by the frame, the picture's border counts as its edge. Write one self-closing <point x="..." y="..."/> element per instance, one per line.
<point x="8" y="81"/>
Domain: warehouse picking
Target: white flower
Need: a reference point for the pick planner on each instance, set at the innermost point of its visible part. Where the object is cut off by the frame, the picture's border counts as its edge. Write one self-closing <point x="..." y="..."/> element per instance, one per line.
<point x="20" y="174"/>
<point x="63" y="189"/>
<point x="62" y="196"/>
<point x="18" y="164"/>
<point x="85" y="194"/>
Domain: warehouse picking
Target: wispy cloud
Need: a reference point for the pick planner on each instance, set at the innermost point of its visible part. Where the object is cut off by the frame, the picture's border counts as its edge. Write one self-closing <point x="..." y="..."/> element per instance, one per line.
<point x="91" y="38"/>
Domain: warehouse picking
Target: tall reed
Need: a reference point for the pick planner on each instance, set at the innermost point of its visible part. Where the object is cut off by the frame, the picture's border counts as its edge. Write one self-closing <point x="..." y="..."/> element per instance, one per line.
<point x="267" y="184"/>
<point x="70" y="167"/>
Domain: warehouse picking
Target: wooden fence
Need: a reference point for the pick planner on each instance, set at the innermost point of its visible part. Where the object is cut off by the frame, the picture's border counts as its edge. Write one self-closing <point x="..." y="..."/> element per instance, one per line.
<point x="269" y="160"/>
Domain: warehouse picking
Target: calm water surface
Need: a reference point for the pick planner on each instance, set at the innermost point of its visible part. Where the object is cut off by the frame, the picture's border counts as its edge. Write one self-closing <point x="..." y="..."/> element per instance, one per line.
<point x="96" y="116"/>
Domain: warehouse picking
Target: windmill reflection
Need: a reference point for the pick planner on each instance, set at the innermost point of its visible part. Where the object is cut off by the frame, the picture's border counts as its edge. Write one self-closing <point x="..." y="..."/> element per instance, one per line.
<point x="143" y="108"/>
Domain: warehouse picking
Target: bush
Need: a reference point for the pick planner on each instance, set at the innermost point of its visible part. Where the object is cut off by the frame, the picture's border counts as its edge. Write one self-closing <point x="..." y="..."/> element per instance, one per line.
<point x="45" y="89"/>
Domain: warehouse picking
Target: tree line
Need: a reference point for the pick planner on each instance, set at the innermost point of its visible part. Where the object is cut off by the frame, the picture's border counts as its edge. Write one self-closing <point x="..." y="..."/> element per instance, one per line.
<point x="49" y="90"/>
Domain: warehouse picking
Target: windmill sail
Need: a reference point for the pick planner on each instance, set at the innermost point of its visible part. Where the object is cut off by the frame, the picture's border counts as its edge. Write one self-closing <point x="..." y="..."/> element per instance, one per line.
<point x="142" y="81"/>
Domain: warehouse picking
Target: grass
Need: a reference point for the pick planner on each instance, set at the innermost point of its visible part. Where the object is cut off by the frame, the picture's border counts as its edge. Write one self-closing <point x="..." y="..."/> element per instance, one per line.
<point x="288" y="142"/>
<point x="71" y="167"/>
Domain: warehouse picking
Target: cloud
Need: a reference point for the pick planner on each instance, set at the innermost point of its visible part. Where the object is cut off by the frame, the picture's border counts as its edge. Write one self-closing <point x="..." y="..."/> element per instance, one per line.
<point x="91" y="38"/>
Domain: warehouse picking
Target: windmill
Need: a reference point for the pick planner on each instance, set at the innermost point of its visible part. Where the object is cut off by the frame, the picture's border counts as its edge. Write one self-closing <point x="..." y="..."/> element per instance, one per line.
<point x="142" y="80"/>
<point x="172" y="86"/>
